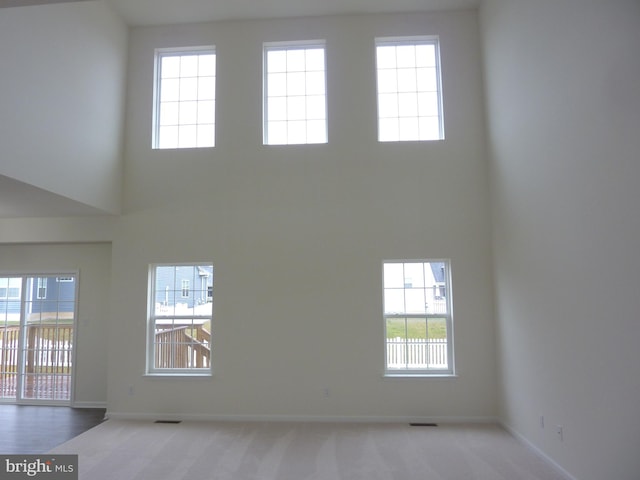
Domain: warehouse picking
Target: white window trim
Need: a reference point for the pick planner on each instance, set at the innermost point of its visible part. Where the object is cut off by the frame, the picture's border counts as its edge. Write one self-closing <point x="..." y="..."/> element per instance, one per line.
<point x="431" y="372"/>
<point x="151" y="369"/>
<point x="415" y="40"/>
<point x="157" y="80"/>
<point x="290" y="45"/>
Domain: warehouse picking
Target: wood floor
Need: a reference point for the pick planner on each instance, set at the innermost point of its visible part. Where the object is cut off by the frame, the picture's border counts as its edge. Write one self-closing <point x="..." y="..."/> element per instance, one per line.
<point x="38" y="429"/>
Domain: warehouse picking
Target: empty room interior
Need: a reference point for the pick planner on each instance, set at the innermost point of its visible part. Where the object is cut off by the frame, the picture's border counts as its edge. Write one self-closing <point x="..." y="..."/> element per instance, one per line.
<point x="270" y="211"/>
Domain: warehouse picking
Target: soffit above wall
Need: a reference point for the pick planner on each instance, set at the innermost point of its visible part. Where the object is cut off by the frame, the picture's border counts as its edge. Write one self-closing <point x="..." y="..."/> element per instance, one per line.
<point x="18" y="199"/>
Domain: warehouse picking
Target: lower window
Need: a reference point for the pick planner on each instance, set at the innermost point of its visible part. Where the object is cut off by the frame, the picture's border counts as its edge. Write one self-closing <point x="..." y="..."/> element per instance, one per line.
<point x="179" y="329"/>
<point x="417" y="317"/>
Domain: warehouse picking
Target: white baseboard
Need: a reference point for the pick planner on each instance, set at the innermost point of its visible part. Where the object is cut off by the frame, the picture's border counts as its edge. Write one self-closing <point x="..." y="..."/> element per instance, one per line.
<point x="524" y="440"/>
<point x="293" y="418"/>
<point x="89" y="405"/>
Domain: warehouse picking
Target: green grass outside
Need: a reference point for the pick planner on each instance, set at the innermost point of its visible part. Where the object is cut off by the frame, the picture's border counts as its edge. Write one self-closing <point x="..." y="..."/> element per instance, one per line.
<point x="415" y="328"/>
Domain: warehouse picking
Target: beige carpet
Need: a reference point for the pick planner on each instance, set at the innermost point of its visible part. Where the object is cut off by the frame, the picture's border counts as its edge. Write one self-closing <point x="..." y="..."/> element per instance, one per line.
<point x="135" y="450"/>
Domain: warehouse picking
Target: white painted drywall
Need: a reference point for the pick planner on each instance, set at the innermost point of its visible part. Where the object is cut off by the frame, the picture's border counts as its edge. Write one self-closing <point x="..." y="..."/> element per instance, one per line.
<point x="564" y="120"/>
<point x="297" y="234"/>
<point x="62" y="96"/>
<point x="93" y="264"/>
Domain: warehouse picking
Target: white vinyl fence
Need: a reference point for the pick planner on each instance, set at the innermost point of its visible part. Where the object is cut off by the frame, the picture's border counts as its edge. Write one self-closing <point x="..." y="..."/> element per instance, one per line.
<point x="416" y="353"/>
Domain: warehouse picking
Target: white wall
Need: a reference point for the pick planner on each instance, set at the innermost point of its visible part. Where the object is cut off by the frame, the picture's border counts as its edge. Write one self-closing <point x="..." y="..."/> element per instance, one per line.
<point x="62" y="96"/>
<point x="297" y="234"/>
<point x="564" y="114"/>
<point x="93" y="262"/>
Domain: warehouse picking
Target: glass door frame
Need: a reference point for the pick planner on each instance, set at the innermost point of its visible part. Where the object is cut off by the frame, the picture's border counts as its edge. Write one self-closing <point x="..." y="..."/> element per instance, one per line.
<point x="26" y="348"/>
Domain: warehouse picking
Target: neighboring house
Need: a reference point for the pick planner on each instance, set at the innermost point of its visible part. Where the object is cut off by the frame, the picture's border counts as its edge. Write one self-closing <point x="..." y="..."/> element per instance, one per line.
<point x="52" y="296"/>
<point x="184" y="286"/>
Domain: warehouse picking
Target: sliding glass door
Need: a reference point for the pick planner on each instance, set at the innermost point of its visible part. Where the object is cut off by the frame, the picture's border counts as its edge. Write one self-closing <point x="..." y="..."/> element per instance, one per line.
<point x="37" y="323"/>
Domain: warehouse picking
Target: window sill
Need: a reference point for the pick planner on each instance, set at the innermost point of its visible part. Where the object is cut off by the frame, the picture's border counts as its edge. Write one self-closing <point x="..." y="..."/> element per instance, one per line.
<point x="178" y="375"/>
<point x="419" y="375"/>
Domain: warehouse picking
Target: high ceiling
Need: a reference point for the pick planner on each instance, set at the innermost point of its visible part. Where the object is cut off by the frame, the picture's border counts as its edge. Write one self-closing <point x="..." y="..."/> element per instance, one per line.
<point x="21" y="200"/>
<point x="163" y="12"/>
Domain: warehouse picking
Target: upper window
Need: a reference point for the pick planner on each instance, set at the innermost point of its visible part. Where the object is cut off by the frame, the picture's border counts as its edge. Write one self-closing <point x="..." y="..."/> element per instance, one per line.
<point x="180" y="315"/>
<point x="185" y="98"/>
<point x="409" y="92"/>
<point x="295" y="109"/>
<point x="418" y="320"/>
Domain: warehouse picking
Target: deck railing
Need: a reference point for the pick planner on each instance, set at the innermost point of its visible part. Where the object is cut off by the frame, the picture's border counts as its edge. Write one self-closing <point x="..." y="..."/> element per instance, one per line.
<point x="183" y="347"/>
<point x="416" y="353"/>
<point x="47" y="357"/>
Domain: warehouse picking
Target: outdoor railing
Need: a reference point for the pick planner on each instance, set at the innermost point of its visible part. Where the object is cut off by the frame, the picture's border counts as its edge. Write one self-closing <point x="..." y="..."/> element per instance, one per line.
<point x="416" y="353"/>
<point x="183" y="347"/>
<point x="47" y="360"/>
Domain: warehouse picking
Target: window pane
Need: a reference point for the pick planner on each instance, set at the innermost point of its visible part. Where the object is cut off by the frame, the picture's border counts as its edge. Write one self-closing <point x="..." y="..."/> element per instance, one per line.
<point x="277" y="61"/>
<point x="429" y="128"/>
<point x="407" y="81"/>
<point x="393" y="275"/>
<point x="315" y="83"/>
<point x="410" y="70"/>
<point x="296" y="60"/>
<point x="415" y="300"/>
<point x="187" y="136"/>
<point x="388" y="105"/>
<point x="417" y="328"/>
<point x="169" y="113"/>
<point x="206" y="136"/>
<point x="426" y="80"/>
<point x="408" y="105"/>
<point x="406" y="56"/>
<point x="409" y="129"/>
<point x="387" y="81"/>
<point x="315" y="59"/>
<point x="277" y="132"/>
<point x="170" y="91"/>
<point x="295" y="90"/>
<point x="170" y="67"/>
<point x="188" y="89"/>
<point x="189" y="66"/>
<point x="296" y="83"/>
<point x="277" y="108"/>
<point x="316" y="131"/>
<point x="396" y="328"/>
<point x="425" y="55"/>
<point x="394" y="300"/>
<point x="206" y="112"/>
<point x="206" y="88"/>
<point x="276" y="84"/>
<point x="207" y="65"/>
<point x="168" y="137"/>
<point x="297" y="132"/>
<point x="386" y="57"/>
<point x="427" y="104"/>
<point x="188" y="112"/>
<point x="186" y="99"/>
<point x="316" y="108"/>
<point x="296" y="108"/>
<point x="388" y="130"/>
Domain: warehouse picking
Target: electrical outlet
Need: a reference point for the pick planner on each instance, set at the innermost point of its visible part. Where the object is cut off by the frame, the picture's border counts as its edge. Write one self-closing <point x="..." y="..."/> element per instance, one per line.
<point x="326" y="392"/>
<point x="560" y="432"/>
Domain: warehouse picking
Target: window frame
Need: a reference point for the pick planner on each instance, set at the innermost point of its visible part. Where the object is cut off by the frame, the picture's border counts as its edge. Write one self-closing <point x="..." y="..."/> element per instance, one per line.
<point x="286" y="46"/>
<point x="412" y="41"/>
<point x="448" y="316"/>
<point x="152" y="317"/>
<point x="161" y="53"/>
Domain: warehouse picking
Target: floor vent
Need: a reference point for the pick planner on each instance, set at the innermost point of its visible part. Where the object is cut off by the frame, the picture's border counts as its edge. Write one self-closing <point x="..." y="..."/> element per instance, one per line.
<point x="168" y="421"/>
<point x="423" y="424"/>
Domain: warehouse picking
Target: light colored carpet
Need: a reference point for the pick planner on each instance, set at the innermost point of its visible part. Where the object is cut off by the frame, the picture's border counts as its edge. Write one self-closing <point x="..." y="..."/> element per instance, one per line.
<point x="136" y="450"/>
